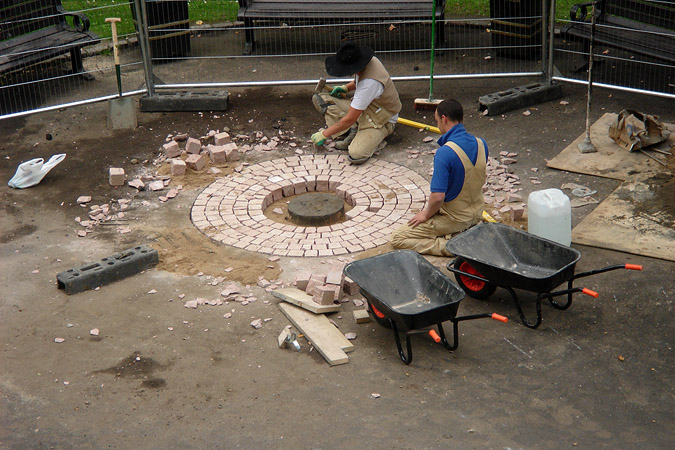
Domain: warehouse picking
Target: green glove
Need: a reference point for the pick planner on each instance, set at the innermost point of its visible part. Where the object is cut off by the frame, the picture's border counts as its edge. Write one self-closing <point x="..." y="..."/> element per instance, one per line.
<point x="318" y="138"/>
<point x="339" y="91"/>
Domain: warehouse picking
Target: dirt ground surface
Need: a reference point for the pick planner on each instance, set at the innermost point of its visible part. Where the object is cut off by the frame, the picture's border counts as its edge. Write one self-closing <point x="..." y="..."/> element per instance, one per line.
<point x="159" y="375"/>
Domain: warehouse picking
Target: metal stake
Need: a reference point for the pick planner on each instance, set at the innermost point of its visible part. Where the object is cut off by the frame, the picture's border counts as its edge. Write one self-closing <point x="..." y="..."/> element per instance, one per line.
<point x="587" y="146"/>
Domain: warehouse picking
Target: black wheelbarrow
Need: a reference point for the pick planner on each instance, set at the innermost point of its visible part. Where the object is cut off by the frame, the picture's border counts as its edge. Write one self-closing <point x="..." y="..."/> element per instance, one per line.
<point x="406" y="291"/>
<point x="493" y="254"/>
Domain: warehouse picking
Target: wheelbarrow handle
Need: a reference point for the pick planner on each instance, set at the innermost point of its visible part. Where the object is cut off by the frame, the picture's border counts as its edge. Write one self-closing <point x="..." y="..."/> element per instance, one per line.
<point x="607" y="269"/>
<point x="590" y="292"/>
<point x="499" y="317"/>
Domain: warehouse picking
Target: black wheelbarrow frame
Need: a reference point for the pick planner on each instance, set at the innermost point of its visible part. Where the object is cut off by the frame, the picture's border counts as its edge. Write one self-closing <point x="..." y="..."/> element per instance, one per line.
<point x="393" y="282"/>
<point x="492" y="255"/>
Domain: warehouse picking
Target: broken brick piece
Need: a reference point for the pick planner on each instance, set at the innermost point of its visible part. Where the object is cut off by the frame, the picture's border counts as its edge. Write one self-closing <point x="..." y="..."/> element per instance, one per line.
<point x="314" y="282"/>
<point x="177" y="167"/>
<point x="196" y="162"/>
<point x="222" y="138"/>
<point x="334" y="277"/>
<point x="217" y="154"/>
<point x="171" y="149"/>
<point x="302" y="279"/>
<point x="517" y="213"/>
<point x="350" y="287"/>
<point x="324" y="295"/>
<point x="116" y="176"/>
<point x="193" y="146"/>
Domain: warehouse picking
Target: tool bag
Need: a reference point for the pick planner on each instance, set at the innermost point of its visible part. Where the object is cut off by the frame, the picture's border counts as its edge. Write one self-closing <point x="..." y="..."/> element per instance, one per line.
<point x="634" y="130"/>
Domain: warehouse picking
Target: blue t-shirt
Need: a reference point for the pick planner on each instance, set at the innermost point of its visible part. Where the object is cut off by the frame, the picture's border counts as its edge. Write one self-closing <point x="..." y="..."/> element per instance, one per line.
<point x="448" y="174"/>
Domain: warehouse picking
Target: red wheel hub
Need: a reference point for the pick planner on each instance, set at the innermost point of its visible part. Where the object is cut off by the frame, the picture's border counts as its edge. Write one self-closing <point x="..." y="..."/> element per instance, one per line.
<point x="376" y="312"/>
<point x="471" y="283"/>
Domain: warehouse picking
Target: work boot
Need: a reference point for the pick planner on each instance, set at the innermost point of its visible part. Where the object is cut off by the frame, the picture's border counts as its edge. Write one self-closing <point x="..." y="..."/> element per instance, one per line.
<point x="319" y="103"/>
<point x="358" y="161"/>
<point x="344" y="143"/>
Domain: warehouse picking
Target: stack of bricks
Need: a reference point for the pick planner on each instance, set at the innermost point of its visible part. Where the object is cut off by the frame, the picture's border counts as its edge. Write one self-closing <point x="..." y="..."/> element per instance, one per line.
<point x="326" y="289"/>
<point x="197" y="156"/>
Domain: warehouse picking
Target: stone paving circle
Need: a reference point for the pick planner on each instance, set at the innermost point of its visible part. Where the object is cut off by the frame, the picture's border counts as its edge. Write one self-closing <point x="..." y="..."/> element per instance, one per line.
<point x="384" y="196"/>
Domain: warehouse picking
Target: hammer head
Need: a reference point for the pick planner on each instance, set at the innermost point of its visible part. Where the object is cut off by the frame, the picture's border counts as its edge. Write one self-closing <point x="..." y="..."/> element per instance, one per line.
<point x="320" y="85"/>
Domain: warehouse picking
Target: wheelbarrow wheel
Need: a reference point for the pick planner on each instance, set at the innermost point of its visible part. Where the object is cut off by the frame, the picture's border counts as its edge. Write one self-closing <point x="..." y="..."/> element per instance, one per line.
<point x="379" y="317"/>
<point x="474" y="288"/>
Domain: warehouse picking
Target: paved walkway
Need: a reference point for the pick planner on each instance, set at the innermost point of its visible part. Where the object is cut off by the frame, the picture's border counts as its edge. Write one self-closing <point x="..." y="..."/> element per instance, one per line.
<point x="383" y="195"/>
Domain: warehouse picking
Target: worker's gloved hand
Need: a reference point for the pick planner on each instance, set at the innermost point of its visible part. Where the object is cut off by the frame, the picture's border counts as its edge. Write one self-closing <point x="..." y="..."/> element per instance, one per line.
<point x="339" y="91"/>
<point x="318" y="138"/>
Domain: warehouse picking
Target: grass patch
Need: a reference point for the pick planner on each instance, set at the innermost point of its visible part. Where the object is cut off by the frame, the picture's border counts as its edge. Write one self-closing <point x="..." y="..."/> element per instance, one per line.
<point x="199" y="11"/>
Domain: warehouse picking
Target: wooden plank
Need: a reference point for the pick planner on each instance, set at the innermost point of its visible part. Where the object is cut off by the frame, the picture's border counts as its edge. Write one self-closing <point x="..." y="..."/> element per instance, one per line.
<point x="323" y="335"/>
<point x="610" y="161"/>
<point x="618" y="224"/>
<point x="300" y="298"/>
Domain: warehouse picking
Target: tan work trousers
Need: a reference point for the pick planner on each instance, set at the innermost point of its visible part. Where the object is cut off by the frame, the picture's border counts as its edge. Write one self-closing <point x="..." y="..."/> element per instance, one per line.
<point x="430" y="237"/>
<point x="367" y="138"/>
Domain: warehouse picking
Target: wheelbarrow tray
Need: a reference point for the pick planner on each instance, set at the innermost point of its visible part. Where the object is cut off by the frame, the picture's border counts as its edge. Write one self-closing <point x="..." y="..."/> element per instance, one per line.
<point x="406" y="288"/>
<point x="509" y="257"/>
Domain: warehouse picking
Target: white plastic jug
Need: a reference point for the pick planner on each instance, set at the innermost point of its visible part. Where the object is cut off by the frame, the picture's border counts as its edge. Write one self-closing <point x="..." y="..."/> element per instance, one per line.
<point x="549" y="215"/>
<point x="32" y="172"/>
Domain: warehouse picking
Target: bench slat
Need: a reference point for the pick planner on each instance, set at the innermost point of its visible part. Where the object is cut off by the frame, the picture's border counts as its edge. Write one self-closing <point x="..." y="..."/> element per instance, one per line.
<point x="32" y="51"/>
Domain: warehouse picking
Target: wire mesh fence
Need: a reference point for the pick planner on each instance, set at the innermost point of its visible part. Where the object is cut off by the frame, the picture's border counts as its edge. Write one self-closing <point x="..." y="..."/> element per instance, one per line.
<point x="215" y="43"/>
<point x="634" y="44"/>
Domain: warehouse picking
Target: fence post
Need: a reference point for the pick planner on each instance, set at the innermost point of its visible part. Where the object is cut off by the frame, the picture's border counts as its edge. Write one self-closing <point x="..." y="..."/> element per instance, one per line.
<point x="547" y="61"/>
<point x="144" y="43"/>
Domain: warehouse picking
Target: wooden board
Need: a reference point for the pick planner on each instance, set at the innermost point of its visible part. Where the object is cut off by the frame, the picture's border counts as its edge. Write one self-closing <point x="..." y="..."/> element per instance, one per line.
<point x="618" y="224"/>
<point x="303" y="300"/>
<point x="323" y="335"/>
<point x="611" y="161"/>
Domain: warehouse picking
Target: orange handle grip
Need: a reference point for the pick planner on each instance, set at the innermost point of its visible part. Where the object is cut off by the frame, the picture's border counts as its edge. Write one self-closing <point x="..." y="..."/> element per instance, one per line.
<point x="434" y="336"/>
<point x="633" y="267"/>
<point x="591" y="293"/>
<point x="496" y="316"/>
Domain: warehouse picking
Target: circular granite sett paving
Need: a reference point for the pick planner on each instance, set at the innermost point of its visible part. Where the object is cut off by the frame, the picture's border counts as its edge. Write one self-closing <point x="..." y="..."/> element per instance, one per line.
<point x="384" y="196"/>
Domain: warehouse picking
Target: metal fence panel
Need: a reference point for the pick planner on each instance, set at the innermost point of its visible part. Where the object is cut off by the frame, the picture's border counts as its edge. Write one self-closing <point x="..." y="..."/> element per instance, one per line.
<point x="634" y="45"/>
<point x="203" y="44"/>
<point x="36" y="55"/>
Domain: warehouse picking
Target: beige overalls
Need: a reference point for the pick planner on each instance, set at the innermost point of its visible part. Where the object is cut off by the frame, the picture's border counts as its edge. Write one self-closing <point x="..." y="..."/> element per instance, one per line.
<point x="374" y="125"/>
<point x="454" y="216"/>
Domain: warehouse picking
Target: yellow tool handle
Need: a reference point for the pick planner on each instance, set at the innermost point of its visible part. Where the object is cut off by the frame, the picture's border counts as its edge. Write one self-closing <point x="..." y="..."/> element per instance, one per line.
<point x="422" y="126"/>
<point x="488" y="217"/>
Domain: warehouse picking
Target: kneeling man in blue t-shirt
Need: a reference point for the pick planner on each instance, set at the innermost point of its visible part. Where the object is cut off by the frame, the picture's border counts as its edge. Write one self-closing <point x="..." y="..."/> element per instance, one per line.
<point x="456" y="201"/>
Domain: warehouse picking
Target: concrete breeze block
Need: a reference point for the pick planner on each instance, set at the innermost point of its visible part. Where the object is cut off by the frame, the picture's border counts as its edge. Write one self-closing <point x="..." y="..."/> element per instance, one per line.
<point x="178" y="167"/>
<point x="217" y="154"/>
<point x="193" y="146"/>
<point x="222" y="138"/>
<point x="196" y="162"/>
<point x="116" y="176"/>
<point x="171" y="149"/>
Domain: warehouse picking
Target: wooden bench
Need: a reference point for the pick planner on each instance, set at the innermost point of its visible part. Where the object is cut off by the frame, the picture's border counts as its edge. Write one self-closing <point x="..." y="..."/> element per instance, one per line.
<point x="639" y="26"/>
<point x="337" y="11"/>
<point x="32" y="31"/>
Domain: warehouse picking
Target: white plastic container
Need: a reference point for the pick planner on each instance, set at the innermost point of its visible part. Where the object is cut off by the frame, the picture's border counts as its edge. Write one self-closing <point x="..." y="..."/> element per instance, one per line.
<point x="549" y="215"/>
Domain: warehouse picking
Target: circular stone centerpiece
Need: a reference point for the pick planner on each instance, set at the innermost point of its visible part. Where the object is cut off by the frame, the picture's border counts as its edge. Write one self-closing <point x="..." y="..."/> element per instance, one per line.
<point x="316" y="209"/>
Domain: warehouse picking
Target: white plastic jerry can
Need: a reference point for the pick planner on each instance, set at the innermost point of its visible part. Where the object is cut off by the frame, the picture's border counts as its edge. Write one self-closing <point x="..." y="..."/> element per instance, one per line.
<point x="549" y="215"/>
